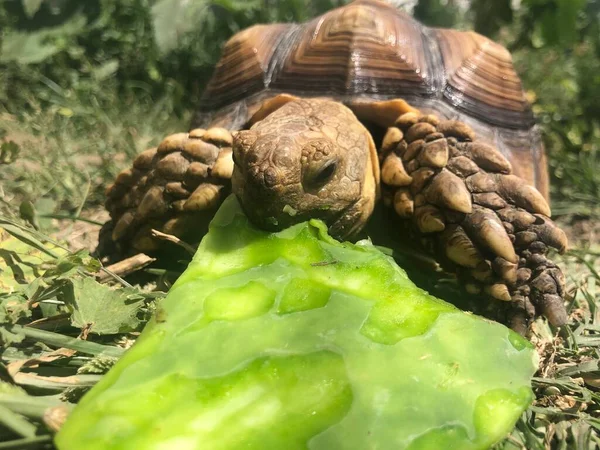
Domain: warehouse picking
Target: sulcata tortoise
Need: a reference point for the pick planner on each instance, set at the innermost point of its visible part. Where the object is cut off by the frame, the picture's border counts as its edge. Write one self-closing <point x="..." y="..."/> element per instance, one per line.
<point x="364" y="104"/>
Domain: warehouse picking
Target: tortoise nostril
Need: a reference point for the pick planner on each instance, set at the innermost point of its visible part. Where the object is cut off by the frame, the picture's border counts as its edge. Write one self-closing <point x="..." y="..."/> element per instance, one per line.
<point x="270" y="177"/>
<point x="254" y="172"/>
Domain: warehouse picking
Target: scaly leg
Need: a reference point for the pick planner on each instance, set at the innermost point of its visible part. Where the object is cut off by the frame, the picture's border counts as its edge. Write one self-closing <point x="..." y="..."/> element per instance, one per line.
<point x="175" y="188"/>
<point x="490" y="227"/>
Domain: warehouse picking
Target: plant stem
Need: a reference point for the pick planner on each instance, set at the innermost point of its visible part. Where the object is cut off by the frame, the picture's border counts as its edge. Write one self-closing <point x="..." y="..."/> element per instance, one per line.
<point x="16" y="423"/>
<point x="32" y="442"/>
<point x="69" y="217"/>
<point x="61" y="340"/>
<point x="28" y="405"/>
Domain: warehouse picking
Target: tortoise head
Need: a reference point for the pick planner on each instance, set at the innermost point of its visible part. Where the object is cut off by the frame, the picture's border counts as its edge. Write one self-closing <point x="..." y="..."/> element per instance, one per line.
<point x="307" y="159"/>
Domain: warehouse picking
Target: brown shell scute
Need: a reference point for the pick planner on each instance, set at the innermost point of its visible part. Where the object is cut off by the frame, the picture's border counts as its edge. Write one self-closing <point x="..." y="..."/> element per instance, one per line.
<point x="369" y="48"/>
<point x="482" y="79"/>
<point x="174" y="188"/>
<point x="242" y="69"/>
<point x="350" y="50"/>
<point x="487" y="224"/>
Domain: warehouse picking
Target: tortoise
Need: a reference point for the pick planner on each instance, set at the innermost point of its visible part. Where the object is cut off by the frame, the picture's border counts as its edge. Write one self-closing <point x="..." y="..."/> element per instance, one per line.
<point x="358" y="106"/>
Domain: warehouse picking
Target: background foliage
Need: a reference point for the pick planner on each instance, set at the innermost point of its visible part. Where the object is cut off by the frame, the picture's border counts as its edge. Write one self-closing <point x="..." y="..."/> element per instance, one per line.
<point x="115" y="75"/>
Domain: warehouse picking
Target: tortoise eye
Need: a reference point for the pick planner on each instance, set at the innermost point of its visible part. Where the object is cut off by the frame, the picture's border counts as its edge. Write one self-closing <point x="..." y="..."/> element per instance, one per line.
<point x="318" y="175"/>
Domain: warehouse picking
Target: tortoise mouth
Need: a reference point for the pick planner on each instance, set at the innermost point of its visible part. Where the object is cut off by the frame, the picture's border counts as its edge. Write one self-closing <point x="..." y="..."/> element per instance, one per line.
<point x="276" y="218"/>
<point x="346" y="225"/>
<point x="274" y="209"/>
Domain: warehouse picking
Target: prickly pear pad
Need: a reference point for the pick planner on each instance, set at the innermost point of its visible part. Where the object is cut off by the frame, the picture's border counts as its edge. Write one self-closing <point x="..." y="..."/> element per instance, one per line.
<point x="293" y="340"/>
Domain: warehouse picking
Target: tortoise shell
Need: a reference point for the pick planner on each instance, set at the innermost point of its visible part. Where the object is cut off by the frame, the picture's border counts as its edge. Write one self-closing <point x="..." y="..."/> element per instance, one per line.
<point x="368" y="51"/>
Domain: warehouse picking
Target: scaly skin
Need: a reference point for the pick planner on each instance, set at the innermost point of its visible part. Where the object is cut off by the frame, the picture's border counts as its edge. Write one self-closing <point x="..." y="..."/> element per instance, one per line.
<point x="175" y="189"/>
<point x="480" y="221"/>
<point x="312" y="158"/>
<point x="308" y="159"/>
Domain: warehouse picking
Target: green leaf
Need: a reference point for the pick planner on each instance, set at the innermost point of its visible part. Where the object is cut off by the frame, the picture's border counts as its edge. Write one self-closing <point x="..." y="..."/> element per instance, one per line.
<point x="436" y="13"/>
<point x="71" y="263"/>
<point x="8" y="337"/>
<point x="31" y="7"/>
<point x="106" y="70"/>
<point x="490" y="16"/>
<point x="44" y="206"/>
<point x="25" y="236"/>
<point x="259" y="345"/>
<point x="173" y="18"/>
<point x="34" y="47"/>
<point x="555" y="22"/>
<point x="27" y="212"/>
<point x="13" y="307"/>
<point x="20" y="263"/>
<point x="102" y="309"/>
<point x="8" y="152"/>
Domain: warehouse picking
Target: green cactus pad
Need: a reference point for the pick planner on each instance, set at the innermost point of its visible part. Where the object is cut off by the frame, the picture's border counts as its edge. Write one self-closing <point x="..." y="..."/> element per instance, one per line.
<point x="292" y="340"/>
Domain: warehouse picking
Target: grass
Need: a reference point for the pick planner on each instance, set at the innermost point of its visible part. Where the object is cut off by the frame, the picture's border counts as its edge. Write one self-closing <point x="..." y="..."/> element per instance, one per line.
<point x="78" y="139"/>
<point x="567" y="406"/>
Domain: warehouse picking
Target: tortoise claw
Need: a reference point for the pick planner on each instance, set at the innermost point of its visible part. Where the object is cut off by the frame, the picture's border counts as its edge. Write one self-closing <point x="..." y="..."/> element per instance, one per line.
<point x="447" y="190"/>
<point x="460" y="249"/>
<point x="223" y="167"/>
<point x="550" y="234"/>
<point x="404" y="204"/>
<point x="489" y="226"/>
<point x="520" y="314"/>
<point x="206" y="196"/>
<point x="434" y="154"/>
<point x="429" y="219"/>
<point x="553" y="308"/>
<point x="499" y="291"/>
<point x="486" y="157"/>
<point x="393" y="172"/>
<point x="391" y="139"/>
<point x="517" y="191"/>
<point x="484" y="226"/>
<point x="506" y="269"/>
<point x="456" y="129"/>
<point x="546" y="293"/>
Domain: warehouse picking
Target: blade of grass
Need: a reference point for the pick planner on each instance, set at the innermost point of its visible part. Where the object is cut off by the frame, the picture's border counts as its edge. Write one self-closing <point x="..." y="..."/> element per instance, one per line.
<point x="59" y="340"/>
<point x="28" y="239"/>
<point x="55" y="383"/>
<point x="16" y="423"/>
<point x="4" y="221"/>
<point x="586" y="367"/>
<point x="20" y="231"/>
<point x="33" y="442"/>
<point x="84" y="198"/>
<point x="70" y="217"/>
<point x="86" y="194"/>
<point x="28" y="405"/>
<point x="116" y="277"/>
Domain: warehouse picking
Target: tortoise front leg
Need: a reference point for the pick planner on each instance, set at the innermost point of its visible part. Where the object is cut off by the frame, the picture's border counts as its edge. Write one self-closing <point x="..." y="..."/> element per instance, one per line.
<point x="490" y="227"/>
<point x="175" y="188"/>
